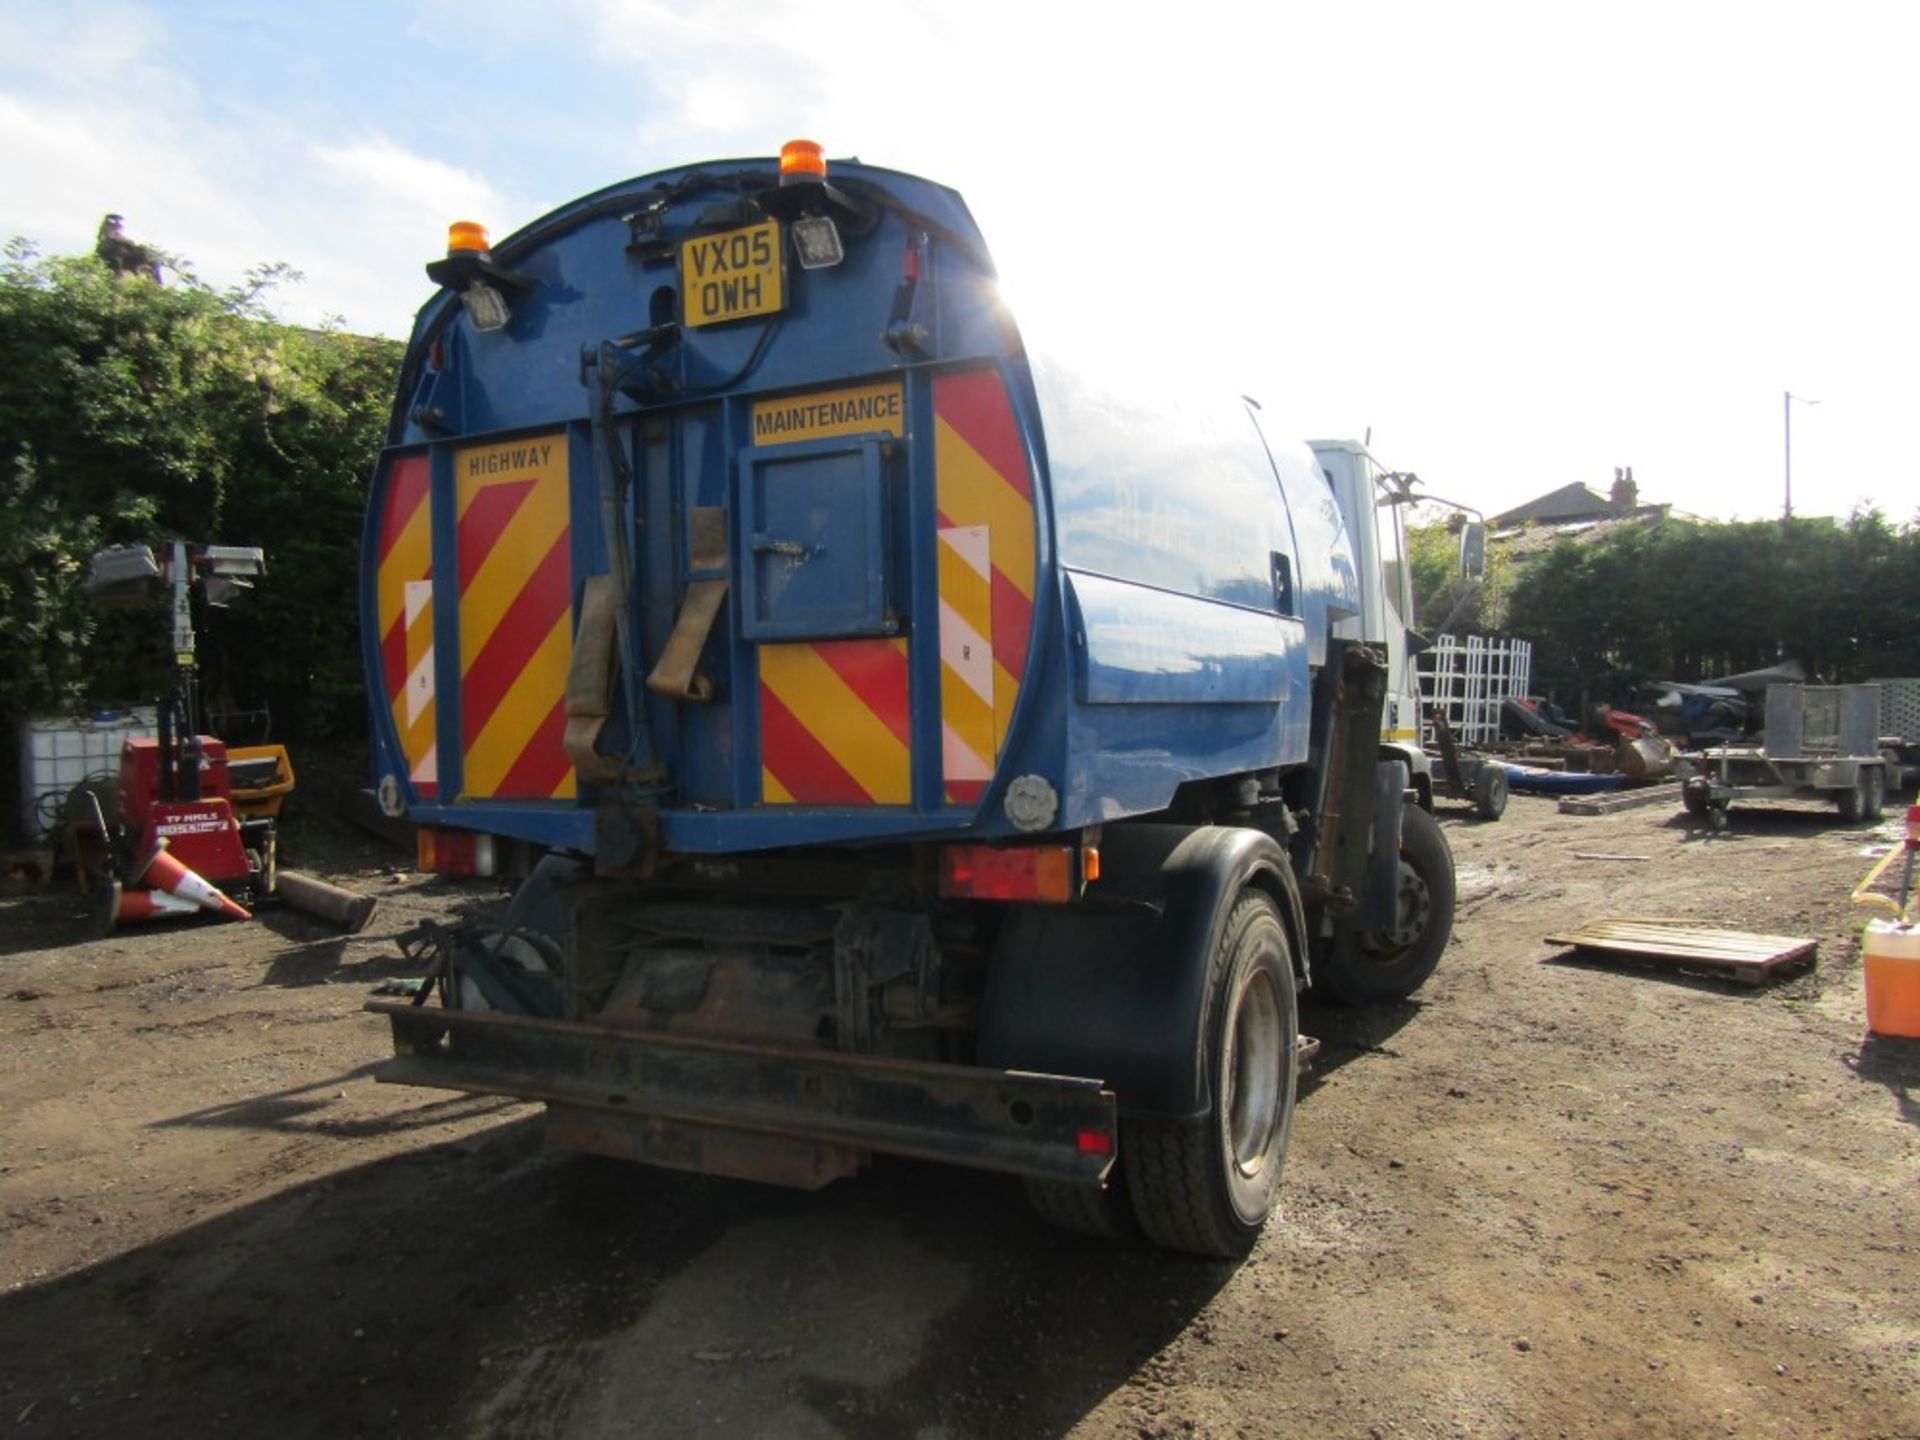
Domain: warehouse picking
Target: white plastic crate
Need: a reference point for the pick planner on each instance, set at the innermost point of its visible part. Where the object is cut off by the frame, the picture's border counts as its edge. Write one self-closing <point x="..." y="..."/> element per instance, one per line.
<point x="58" y="753"/>
<point x="1900" y="709"/>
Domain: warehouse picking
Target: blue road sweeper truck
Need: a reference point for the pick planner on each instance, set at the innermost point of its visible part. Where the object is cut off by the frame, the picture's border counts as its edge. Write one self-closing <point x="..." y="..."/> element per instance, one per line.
<point x="920" y="745"/>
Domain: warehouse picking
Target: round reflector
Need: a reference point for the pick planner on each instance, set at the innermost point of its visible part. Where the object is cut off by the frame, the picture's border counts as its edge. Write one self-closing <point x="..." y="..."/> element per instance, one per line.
<point x="802" y="160"/>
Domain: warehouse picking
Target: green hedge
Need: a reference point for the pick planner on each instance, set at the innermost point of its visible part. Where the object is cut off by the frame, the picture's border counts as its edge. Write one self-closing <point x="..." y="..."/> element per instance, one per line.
<point x="135" y="411"/>
<point x="1679" y="600"/>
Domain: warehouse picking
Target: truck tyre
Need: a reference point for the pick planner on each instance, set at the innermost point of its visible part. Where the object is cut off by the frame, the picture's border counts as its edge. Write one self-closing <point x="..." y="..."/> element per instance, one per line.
<point x="1361" y="967"/>
<point x="1207" y="1186"/>
<point x="1104" y="1212"/>
<point x="1696" y="795"/>
<point x="1490" y="792"/>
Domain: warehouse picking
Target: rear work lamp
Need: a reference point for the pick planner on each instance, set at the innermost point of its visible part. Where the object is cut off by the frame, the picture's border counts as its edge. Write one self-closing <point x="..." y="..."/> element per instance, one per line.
<point x="816" y="240"/>
<point x="485" y="306"/>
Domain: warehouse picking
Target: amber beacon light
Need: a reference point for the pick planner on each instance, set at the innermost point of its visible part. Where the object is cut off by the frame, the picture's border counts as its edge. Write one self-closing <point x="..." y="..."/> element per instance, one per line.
<point x="802" y="160"/>
<point x="468" y="237"/>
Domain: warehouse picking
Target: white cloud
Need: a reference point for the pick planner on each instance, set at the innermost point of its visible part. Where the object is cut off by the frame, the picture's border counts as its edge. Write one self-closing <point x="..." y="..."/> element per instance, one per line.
<point x="104" y="124"/>
<point x="1524" y="243"/>
<point x="387" y="177"/>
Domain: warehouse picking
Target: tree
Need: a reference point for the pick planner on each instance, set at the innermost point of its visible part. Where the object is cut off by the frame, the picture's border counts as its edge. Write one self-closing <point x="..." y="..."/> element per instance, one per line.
<point x="131" y="412"/>
<point x="1689" y="601"/>
<point x="1439" y="589"/>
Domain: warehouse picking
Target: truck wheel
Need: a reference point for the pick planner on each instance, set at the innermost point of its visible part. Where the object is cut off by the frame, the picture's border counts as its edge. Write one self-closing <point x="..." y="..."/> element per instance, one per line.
<point x="1207" y="1186"/>
<point x="1103" y="1212"/>
<point x="1695" y="795"/>
<point x="1490" y="792"/>
<point x="1876" y="793"/>
<point x="1365" y="966"/>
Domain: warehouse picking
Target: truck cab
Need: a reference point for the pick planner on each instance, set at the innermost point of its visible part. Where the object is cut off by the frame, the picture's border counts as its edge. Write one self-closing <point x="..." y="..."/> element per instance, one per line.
<point x="1375" y="507"/>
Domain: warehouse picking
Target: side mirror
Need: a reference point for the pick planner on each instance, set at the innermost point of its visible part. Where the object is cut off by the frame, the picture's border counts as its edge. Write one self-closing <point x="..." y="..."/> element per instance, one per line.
<point x="1473" y="550"/>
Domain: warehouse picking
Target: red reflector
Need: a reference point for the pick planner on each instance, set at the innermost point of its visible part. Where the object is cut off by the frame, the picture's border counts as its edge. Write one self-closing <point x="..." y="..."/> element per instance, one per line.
<point x="454" y="852"/>
<point x="1019" y="872"/>
<point x="1094" y="1142"/>
<point x="910" y="264"/>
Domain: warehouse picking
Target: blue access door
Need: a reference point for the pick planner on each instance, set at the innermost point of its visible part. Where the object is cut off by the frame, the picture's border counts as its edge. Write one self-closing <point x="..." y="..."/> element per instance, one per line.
<point x="813" y="539"/>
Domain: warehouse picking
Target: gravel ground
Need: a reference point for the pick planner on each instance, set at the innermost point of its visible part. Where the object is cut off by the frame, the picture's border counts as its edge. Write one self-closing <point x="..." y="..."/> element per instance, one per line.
<point x="1543" y="1198"/>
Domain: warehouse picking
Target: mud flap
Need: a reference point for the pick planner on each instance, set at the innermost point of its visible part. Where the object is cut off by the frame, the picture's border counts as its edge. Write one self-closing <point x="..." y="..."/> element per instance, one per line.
<point x="1115" y="988"/>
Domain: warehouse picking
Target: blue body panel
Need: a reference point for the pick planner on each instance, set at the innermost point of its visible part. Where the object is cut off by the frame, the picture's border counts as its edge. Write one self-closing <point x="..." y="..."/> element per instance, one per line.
<point x="1186" y="568"/>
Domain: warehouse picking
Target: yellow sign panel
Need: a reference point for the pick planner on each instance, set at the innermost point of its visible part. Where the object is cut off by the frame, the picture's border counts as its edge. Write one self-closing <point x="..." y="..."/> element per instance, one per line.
<point x="541" y="459"/>
<point x="862" y="410"/>
<point x="513" y="563"/>
<point x="733" y="275"/>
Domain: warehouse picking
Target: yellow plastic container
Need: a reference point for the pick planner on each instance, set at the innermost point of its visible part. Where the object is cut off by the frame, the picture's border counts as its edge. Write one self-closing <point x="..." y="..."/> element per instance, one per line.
<point x="1892" y="956"/>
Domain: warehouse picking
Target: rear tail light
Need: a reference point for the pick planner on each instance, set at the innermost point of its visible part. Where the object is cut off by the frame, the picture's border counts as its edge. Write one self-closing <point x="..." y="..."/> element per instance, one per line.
<point x="454" y="852"/>
<point x="1095" y="1142"/>
<point x="1052" y="874"/>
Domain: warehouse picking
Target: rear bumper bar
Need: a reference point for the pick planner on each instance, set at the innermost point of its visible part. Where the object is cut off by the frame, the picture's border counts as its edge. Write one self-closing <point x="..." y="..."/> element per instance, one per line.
<point x="1006" y="1120"/>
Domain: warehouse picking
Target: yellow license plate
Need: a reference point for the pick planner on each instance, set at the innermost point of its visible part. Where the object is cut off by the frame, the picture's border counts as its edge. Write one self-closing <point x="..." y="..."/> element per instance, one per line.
<point x="733" y="275"/>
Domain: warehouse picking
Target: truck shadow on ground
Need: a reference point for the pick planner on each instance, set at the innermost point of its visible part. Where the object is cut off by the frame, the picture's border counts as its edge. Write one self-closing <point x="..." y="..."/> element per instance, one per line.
<point x="1348" y="1032"/>
<point x="51" y="920"/>
<point x="317" y="953"/>
<point x="316" y="1108"/>
<point x="490" y="1287"/>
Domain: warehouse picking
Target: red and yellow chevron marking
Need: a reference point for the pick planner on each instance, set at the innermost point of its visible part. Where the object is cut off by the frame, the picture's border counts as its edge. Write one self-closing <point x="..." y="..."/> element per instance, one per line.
<point x="982" y="484"/>
<point x="403" y="591"/>
<point x="516" y="616"/>
<point x="834" y="723"/>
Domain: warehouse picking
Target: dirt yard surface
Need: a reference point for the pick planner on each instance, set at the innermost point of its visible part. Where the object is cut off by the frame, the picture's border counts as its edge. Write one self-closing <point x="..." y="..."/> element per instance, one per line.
<point x="1545" y="1198"/>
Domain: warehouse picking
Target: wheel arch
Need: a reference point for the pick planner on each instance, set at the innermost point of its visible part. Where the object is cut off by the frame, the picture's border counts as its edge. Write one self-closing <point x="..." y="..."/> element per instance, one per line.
<point x="1116" y="988"/>
<point x="1419" y="769"/>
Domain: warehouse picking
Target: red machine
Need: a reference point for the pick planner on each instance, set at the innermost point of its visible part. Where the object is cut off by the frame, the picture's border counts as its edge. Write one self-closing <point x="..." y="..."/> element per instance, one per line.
<point x="194" y="820"/>
<point x="202" y="834"/>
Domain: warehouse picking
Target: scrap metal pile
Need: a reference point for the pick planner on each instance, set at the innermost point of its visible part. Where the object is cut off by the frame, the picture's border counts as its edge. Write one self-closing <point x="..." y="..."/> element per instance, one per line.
<point x="1762" y="734"/>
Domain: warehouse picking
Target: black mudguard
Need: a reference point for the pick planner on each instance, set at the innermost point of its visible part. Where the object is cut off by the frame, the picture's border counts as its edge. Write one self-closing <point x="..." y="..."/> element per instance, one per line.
<point x="1115" y="988"/>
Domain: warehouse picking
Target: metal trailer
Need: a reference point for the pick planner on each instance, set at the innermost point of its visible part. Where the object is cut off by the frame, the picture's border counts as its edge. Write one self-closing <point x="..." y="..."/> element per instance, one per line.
<point x="1900" y="731"/>
<point x="1478" y="779"/>
<point x="1820" y="743"/>
<point x="942" y="749"/>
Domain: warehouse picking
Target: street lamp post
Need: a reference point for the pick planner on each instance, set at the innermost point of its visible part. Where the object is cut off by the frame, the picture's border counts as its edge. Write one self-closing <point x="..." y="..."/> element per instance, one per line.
<point x="1787" y="397"/>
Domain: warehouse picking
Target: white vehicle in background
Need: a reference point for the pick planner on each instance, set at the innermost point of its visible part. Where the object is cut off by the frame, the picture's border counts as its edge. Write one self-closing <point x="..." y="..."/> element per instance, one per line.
<point x="1374" y="500"/>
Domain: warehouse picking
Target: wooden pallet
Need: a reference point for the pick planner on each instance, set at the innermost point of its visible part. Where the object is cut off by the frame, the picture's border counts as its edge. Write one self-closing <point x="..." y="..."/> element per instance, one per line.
<point x="1625" y="800"/>
<point x="1738" y="954"/>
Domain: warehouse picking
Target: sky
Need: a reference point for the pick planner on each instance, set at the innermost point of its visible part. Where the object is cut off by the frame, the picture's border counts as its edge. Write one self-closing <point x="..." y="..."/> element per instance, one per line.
<point x="1518" y="245"/>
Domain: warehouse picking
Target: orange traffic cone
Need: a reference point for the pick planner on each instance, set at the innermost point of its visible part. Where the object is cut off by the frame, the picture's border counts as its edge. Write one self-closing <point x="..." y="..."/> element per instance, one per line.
<point x="160" y="871"/>
<point x="125" y="905"/>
